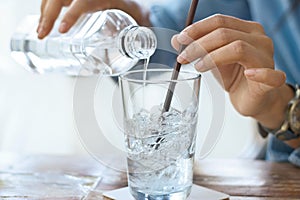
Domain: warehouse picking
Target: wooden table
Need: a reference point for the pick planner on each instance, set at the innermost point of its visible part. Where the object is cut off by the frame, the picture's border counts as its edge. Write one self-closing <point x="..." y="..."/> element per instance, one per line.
<point x="72" y="177"/>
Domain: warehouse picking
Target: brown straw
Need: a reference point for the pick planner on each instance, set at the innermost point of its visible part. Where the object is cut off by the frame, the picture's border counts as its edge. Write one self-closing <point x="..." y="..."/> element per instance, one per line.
<point x="176" y="70"/>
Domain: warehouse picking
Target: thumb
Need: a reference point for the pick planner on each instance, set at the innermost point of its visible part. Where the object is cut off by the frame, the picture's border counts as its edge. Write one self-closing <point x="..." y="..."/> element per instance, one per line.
<point x="267" y="78"/>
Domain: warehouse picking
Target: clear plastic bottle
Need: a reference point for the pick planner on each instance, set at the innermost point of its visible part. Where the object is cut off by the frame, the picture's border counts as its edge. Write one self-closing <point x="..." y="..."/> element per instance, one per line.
<point x="105" y="42"/>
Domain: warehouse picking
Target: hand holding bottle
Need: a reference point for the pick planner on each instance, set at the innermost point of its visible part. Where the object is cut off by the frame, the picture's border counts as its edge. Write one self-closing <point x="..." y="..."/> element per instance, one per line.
<point x="50" y="10"/>
<point x="101" y="43"/>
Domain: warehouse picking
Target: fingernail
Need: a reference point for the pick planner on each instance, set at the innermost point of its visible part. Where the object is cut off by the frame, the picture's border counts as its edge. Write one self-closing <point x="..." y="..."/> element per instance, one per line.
<point x="40" y="29"/>
<point x="183" y="37"/>
<point x="182" y="57"/>
<point x="250" y="72"/>
<point x="41" y="32"/>
<point x="63" y="27"/>
<point x="200" y="65"/>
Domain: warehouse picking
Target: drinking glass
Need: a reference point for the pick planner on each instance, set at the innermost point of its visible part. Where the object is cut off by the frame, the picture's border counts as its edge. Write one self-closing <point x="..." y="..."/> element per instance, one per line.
<point x="160" y="142"/>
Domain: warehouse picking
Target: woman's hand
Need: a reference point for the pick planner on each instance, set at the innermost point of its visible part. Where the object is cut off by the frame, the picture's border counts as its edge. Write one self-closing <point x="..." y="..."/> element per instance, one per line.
<point x="50" y="10"/>
<point x="243" y="55"/>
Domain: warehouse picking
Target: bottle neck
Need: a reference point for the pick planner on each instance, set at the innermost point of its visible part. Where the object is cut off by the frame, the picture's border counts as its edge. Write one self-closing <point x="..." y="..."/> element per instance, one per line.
<point x="137" y="42"/>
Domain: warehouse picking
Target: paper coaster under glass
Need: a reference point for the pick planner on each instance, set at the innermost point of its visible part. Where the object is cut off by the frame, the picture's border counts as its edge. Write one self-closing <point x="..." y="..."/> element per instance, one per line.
<point x="197" y="193"/>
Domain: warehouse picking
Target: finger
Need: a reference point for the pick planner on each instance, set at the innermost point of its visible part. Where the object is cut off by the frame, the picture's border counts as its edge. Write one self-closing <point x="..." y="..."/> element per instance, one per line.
<point x="174" y="42"/>
<point x="239" y="52"/>
<point x="178" y="47"/>
<point x="79" y="7"/>
<point x="222" y="37"/>
<point x="43" y="4"/>
<point x="51" y="11"/>
<point x="214" y="22"/>
<point x="184" y="38"/>
<point x="266" y="76"/>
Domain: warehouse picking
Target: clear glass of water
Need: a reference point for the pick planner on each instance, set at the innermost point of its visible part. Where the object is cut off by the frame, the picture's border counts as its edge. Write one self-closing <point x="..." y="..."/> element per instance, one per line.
<point x="160" y="144"/>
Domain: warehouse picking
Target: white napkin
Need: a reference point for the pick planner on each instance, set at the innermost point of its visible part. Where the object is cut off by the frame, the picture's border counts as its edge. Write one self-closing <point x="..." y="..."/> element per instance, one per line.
<point x="198" y="192"/>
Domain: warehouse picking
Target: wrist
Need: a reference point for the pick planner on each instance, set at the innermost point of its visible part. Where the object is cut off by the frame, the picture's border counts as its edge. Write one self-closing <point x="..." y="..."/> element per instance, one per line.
<point x="273" y="115"/>
<point x="288" y="131"/>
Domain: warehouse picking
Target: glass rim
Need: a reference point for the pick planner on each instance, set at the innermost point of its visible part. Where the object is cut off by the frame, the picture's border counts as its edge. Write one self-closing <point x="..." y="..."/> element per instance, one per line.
<point x="194" y="76"/>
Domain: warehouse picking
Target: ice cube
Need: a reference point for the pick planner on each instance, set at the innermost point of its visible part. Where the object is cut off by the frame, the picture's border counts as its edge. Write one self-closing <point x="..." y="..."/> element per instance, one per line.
<point x="190" y="113"/>
<point x="155" y="114"/>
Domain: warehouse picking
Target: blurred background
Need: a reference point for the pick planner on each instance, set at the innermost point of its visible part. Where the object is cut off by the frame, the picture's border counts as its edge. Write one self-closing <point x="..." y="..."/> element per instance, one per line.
<point x="37" y="116"/>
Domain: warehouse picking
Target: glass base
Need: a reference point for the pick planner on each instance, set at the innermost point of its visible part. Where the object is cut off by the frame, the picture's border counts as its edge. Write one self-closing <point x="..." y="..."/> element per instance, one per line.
<point x="181" y="195"/>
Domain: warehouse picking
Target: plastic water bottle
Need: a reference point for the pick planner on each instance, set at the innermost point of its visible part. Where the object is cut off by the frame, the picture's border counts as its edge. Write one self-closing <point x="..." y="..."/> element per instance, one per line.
<point x="102" y="43"/>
